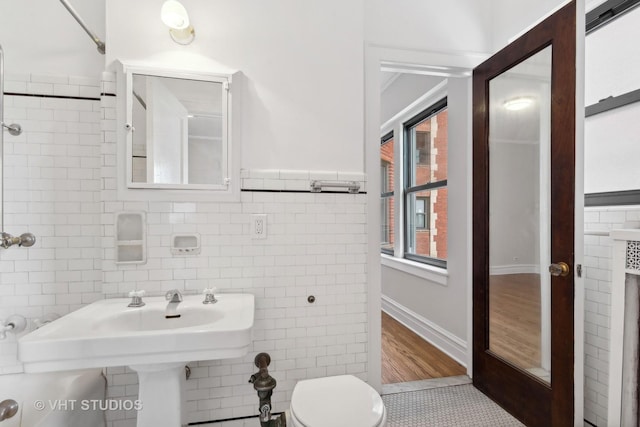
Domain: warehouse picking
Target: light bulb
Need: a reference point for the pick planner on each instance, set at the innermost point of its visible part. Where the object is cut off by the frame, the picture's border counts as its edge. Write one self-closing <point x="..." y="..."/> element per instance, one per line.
<point x="174" y="15"/>
<point x="518" y="103"/>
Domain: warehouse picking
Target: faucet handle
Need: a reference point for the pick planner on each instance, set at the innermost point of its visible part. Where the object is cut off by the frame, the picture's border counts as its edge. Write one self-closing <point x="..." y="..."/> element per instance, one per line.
<point x="209" y="297"/>
<point x="136" y="298"/>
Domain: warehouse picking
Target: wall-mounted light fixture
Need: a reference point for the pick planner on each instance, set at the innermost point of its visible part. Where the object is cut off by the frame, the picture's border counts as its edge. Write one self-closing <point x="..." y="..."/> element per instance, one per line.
<point x="518" y="103"/>
<point x="175" y="16"/>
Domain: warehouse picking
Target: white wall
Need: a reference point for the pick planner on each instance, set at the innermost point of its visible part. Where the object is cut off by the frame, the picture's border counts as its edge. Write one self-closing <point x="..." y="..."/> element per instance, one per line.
<point x="612" y="139"/>
<point x="509" y="18"/>
<point x="612" y="150"/>
<point x="41" y="37"/>
<point x="608" y="52"/>
<point x="441" y="26"/>
<point x="303" y="62"/>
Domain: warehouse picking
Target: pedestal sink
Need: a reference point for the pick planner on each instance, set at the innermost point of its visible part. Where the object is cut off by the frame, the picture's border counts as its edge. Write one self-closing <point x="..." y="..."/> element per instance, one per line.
<point x="108" y="333"/>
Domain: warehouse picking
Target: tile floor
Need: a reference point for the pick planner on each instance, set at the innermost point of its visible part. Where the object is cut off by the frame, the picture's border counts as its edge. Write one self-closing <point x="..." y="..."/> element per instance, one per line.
<point x="440" y="402"/>
<point x="448" y="406"/>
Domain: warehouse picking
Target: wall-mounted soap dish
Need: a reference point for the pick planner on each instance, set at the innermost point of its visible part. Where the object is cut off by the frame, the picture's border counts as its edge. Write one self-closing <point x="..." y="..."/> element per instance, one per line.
<point x="185" y="244"/>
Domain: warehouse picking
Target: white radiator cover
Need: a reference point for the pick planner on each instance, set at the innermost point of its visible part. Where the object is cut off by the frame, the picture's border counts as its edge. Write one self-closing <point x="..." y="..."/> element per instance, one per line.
<point x="625" y="312"/>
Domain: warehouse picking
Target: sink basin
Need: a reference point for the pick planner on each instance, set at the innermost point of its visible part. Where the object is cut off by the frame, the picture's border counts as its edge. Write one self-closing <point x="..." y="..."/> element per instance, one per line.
<point x="108" y="333"/>
<point x="153" y="319"/>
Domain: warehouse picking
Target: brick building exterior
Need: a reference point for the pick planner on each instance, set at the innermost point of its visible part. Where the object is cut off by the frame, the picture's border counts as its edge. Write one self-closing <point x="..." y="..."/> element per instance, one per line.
<point x="432" y="167"/>
<point x="388" y="210"/>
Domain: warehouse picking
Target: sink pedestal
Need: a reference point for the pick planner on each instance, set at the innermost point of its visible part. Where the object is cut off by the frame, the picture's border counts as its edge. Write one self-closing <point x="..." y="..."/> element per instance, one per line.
<point x="161" y="394"/>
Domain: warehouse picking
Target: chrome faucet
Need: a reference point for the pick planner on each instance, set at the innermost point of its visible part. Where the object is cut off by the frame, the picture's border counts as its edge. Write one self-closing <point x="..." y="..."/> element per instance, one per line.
<point x="25" y="239"/>
<point x="174" y="297"/>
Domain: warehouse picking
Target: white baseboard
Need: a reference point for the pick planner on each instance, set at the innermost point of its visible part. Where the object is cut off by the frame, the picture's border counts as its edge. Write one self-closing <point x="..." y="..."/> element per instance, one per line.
<point x="451" y="345"/>
<point x="498" y="270"/>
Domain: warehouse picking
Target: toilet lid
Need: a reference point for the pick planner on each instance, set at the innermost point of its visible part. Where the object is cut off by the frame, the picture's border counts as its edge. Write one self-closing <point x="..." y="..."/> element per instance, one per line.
<point x="342" y="401"/>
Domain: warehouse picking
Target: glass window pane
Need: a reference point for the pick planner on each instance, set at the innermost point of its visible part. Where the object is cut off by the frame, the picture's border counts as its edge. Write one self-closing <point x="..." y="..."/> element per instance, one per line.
<point x="386" y="165"/>
<point x="387" y="220"/>
<point x="427" y="223"/>
<point x="421" y="214"/>
<point x="428" y="150"/>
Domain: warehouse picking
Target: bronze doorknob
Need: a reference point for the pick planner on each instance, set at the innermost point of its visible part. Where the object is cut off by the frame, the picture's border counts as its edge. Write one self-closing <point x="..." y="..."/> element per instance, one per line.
<point x="559" y="269"/>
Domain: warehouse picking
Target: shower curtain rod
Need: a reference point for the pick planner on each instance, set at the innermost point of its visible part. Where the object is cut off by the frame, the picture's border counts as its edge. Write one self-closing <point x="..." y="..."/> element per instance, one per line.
<point x="99" y="43"/>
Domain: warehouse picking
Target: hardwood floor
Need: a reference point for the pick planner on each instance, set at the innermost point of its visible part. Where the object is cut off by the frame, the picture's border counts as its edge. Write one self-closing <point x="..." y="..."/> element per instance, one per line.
<point x="514" y="318"/>
<point x="514" y="335"/>
<point x="407" y="357"/>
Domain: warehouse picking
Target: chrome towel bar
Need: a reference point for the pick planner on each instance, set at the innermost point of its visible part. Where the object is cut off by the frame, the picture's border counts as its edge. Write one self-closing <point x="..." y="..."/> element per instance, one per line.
<point x="352" y="186"/>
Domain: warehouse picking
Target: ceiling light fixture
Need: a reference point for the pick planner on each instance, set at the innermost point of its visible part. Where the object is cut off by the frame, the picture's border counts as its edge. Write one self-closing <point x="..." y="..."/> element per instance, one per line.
<point x="518" y="103"/>
<point x="175" y="16"/>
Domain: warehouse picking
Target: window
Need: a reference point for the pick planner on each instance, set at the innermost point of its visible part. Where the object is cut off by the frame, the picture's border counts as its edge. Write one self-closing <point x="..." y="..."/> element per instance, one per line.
<point x="425" y="189"/>
<point x="422" y="216"/>
<point x="423" y="147"/>
<point x="413" y="199"/>
<point x="386" y="197"/>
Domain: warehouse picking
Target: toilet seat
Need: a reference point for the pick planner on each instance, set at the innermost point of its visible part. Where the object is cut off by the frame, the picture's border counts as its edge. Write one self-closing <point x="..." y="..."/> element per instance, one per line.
<point x="340" y="401"/>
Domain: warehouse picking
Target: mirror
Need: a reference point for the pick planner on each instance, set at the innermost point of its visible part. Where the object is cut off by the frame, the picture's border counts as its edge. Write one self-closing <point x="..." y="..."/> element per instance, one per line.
<point x="519" y="215"/>
<point x="177" y="132"/>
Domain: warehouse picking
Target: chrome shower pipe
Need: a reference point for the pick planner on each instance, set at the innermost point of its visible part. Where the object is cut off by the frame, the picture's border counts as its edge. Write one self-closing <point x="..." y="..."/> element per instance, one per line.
<point x="14" y="129"/>
<point x="6" y="240"/>
<point x="1" y="138"/>
<point x="99" y="43"/>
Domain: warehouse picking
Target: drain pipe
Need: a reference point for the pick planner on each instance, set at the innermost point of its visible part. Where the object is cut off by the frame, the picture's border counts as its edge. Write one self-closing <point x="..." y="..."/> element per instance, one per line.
<point x="264" y="384"/>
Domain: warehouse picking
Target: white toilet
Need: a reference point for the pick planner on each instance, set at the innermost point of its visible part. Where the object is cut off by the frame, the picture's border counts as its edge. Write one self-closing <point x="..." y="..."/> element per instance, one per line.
<point x="341" y="401"/>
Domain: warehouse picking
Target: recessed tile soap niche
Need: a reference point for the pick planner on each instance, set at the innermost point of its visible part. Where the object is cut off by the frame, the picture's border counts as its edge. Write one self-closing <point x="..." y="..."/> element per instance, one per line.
<point x="130" y="238"/>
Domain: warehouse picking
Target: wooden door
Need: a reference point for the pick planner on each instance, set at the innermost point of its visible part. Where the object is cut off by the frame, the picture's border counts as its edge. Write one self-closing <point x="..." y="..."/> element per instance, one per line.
<point x="523" y="223"/>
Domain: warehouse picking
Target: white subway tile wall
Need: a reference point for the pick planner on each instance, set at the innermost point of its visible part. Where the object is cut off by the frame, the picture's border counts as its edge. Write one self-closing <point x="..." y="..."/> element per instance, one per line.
<point x="316" y="245"/>
<point x="52" y="189"/>
<point x="597" y="263"/>
<point x="60" y="181"/>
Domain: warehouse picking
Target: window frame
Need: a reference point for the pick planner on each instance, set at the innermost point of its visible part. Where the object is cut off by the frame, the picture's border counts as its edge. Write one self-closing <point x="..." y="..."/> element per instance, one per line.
<point x="408" y="190"/>
<point x="608" y="11"/>
<point x="387" y="195"/>
<point x="426" y="200"/>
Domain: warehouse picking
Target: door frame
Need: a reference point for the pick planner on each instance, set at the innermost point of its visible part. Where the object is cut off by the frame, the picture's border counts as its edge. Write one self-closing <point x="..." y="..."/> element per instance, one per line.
<point x="374" y="56"/>
<point x="497" y="379"/>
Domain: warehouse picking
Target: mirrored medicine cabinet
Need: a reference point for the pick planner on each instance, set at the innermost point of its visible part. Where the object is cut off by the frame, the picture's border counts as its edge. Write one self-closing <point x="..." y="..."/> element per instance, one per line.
<point x="176" y="128"/>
